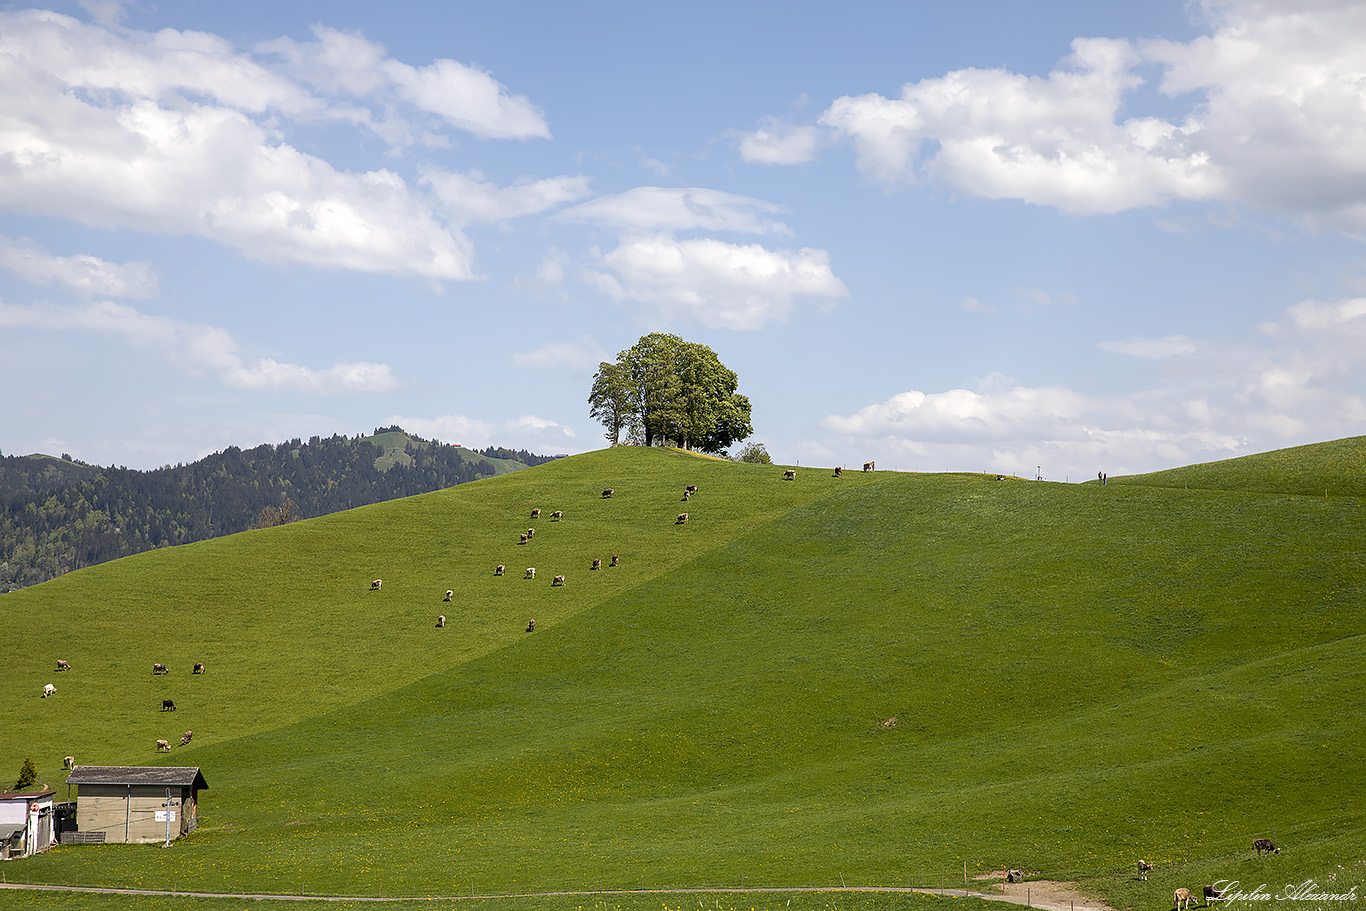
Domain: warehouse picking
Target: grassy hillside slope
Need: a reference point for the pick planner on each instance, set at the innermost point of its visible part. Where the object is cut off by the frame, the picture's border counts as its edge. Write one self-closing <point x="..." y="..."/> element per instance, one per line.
<point x="879" y="677"/>
<point x="1336" y="468"/>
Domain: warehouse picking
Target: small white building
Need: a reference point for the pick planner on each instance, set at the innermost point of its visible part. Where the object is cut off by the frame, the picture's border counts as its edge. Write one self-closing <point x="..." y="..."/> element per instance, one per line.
<point x="27" y="825"/>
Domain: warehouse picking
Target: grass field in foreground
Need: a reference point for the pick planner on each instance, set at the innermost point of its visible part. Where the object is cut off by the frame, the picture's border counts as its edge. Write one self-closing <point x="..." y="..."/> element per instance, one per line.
<point x="879" y="678"/>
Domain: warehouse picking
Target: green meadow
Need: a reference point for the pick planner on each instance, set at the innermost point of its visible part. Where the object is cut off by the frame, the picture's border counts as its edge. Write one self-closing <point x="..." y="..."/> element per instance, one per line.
<point x="883" y="679"/>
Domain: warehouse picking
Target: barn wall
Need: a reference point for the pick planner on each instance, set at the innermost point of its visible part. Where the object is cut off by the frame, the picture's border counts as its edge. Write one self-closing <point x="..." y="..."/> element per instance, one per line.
<point x="127" y="814"/>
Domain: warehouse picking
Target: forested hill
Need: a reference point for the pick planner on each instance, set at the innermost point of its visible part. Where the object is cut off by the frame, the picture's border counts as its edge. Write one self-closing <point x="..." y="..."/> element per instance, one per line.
<point x="57" y="515"/>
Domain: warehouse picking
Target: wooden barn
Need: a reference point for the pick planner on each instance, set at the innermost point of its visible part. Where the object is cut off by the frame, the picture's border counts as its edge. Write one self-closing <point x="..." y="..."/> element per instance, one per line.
<point x="121" y="804"/>
<point x="26" y="824"/>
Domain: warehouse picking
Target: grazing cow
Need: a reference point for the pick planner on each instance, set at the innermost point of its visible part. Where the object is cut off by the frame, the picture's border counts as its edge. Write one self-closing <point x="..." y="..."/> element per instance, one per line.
<point x="375" y="586"/>
<point x="557" y="514"/>
<point x="1267" y="845"/>
<point x="536" y="513"/>
<point x="69" y="762"/>
<point x="616" y="559"/>
<point x="499" y="569"/>
<point x="682" y="518"/>
<point x="530" y="572"/>
<point x="163" y="746"/>
<point x="1143" y="869"/>
<point x="558" y="580"/>
<point x="691" y="488"/>
<point x="186" y="739"/>
<point x="686" y="496"/>
<point x="524" y="539"/>
<point x="531" y="532"/>
<point x="449" y="594"/>
<point x="597" y="564"/>
<point x="790" y="474"/>
<point x="48" y="690"/>
<point x="838" y="471"/>
<point x="1212" y="895"/>
<point x="869" y="466"/>
<point x="62" y="665"/>
<point x="607" y="492"/>
<point x="159" y="669"/>
<point x="531" y="626"/>
<point x="198" y="667"/>
<point x="440" y="621"/>
<point x="1183" y="898"/>
<point x="168" y="705"/>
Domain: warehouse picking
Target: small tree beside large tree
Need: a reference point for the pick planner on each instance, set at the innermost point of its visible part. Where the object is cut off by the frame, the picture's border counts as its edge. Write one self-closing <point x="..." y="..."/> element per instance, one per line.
<point x="663" y="388"/>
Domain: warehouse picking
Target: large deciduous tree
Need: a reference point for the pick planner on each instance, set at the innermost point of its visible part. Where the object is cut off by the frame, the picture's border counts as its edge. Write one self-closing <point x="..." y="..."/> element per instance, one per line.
<point x="671" y="390"/>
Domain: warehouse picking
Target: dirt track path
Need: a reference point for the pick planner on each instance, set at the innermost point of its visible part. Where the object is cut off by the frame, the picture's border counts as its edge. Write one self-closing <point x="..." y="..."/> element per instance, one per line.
<point x="1045" y="894"/>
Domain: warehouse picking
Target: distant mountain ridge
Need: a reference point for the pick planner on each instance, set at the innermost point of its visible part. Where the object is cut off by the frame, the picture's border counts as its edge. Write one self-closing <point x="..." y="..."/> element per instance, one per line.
<point x="60" y="514"/>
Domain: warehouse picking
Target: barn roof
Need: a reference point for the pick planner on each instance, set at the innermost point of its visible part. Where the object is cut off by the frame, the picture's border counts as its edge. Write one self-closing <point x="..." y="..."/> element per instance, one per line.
<point x="178" y="776"/>
<point x="26" y="795"/>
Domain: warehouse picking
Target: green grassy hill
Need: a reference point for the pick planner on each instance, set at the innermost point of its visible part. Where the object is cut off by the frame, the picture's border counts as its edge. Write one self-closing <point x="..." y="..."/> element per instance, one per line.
<point x="1335" y="469"/>
<point x="881" y="678"/>
<point x="396" y="446"/>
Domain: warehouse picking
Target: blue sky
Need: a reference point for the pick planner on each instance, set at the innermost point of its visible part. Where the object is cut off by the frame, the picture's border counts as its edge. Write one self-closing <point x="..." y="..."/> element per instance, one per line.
<point x="984" y="236"/>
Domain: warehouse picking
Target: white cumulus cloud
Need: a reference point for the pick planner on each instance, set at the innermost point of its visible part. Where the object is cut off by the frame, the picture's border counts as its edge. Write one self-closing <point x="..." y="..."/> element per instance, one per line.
<point x="1292" y="381"/>
<point x="680" y="209"/>
<point x="1264" y="111"/>
<point x="83" y="274"/>
<point x="1051" y="140"/>
<point x="720" y="285"/>
<point x="585" y="354"/>
<point x="179" y="132"/>
<point x="776" y="142"/>
<point x="346" y="65"/>
<point x="199" y="349"/>
<point x="470" y="198"/>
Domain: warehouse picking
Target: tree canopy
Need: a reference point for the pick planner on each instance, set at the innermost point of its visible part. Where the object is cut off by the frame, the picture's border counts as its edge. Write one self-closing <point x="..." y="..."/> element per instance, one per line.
<point x="665" y="389"/>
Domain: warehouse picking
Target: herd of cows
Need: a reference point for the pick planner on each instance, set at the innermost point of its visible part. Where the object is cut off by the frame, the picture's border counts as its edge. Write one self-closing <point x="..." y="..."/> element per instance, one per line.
<point x="1184" y="898"/>
<point x="526" y="537"/>
<point x="167" y="705"/>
